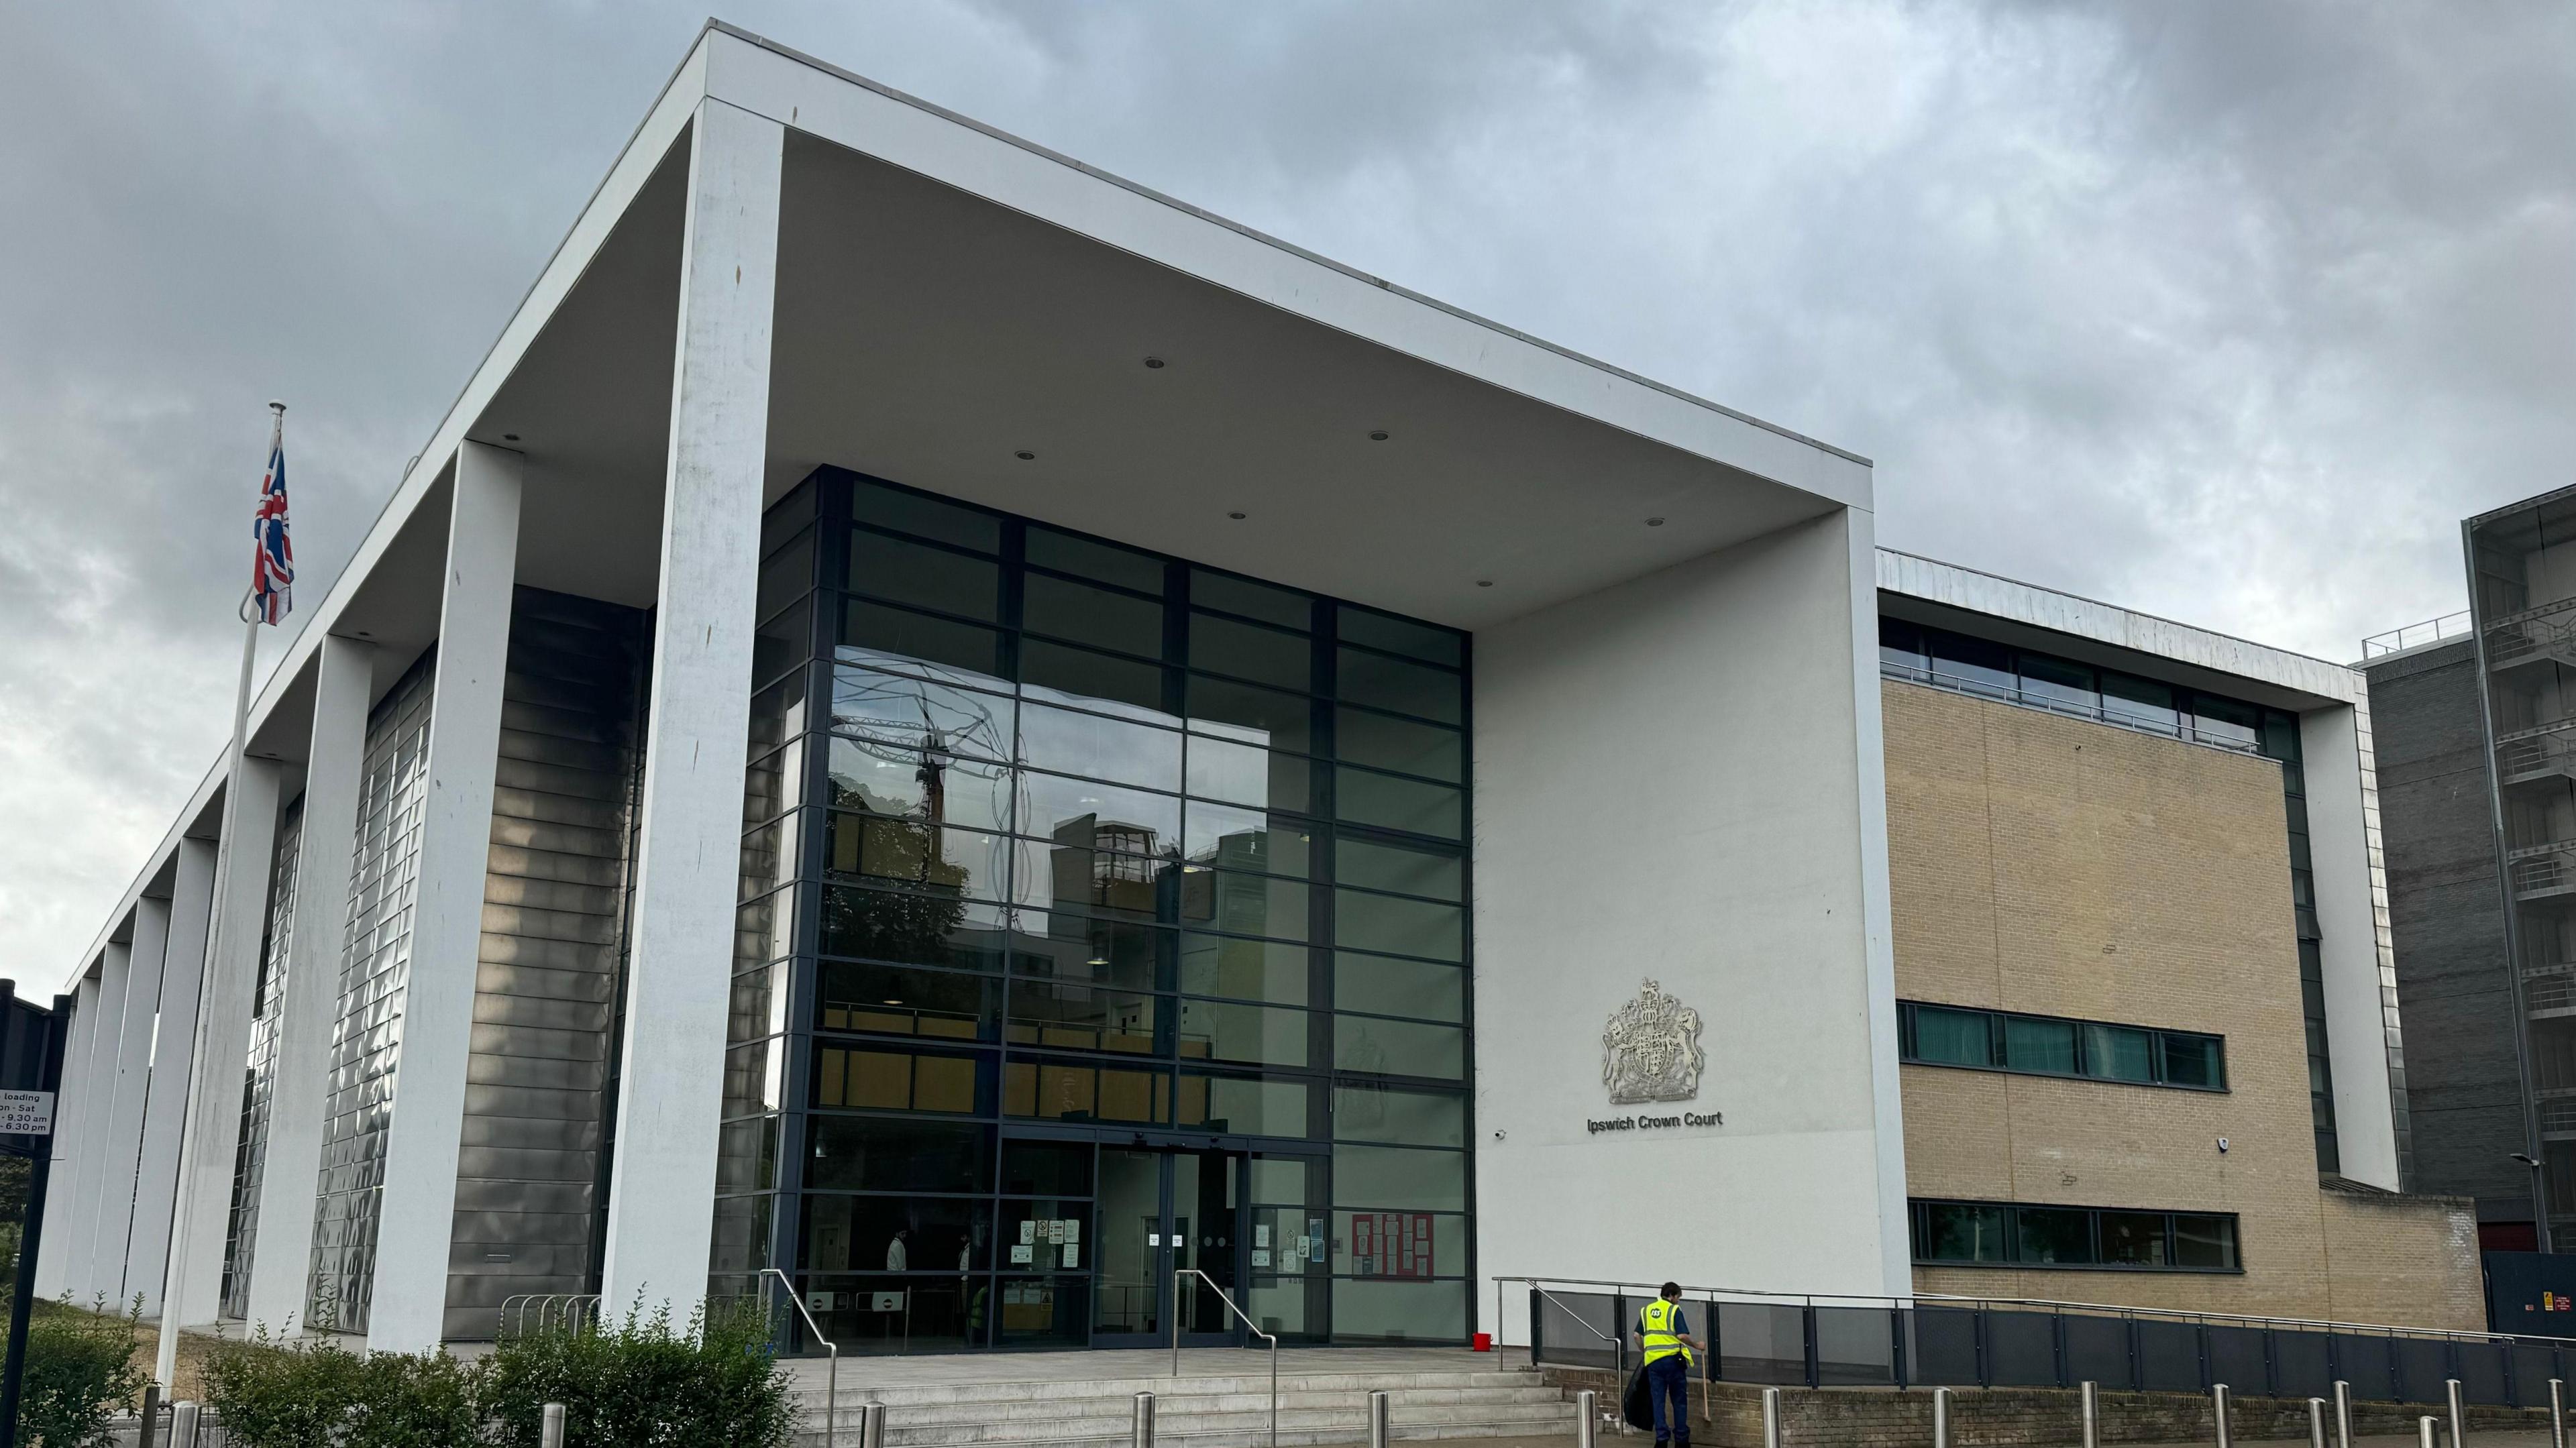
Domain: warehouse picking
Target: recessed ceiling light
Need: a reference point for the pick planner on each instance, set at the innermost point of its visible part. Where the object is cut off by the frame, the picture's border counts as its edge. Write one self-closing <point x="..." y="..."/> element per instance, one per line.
<point x="509" y="437"/>
<point x="1654" y="522"/>
<point x="1097" y="960"/>
<point x="1484" y="583"/>
<point x="1238" y="517"/>
<point x="1378" y="436"/>
<point x="1154" y="362"/>
<point x="1024" y="455"/>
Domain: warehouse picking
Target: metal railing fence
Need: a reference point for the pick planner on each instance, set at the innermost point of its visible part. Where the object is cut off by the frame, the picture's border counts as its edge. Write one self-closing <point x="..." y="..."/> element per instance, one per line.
<point x="1930" y="1340"/>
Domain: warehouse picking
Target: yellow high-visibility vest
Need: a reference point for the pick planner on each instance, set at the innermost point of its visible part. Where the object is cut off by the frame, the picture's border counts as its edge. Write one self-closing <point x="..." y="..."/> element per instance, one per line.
<point x="1655" y="1329"/>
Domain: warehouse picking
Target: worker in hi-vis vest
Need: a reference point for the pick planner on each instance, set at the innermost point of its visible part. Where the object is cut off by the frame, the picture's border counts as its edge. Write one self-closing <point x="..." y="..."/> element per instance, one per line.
<point x="1664" y="1334"/>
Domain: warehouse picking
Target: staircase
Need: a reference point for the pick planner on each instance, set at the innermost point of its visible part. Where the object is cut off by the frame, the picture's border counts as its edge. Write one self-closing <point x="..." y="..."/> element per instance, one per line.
<point x="1219" y="1410"/>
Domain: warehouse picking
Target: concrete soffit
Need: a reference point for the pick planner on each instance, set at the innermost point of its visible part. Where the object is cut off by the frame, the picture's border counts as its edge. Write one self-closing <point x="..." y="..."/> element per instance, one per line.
<point x="2189" y="655"/>
<point x="744" y="70"/>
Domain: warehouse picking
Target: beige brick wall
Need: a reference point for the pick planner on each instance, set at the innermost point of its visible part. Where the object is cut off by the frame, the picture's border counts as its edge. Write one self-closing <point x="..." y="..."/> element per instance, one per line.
<point x="2064" y="867"/>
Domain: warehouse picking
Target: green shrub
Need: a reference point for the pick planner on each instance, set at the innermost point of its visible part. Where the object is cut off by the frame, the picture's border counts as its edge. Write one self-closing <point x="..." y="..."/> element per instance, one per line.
<point x="270" y="1396"/>
<point x="640" y="1384"/>
<point x="80" y="1369"/>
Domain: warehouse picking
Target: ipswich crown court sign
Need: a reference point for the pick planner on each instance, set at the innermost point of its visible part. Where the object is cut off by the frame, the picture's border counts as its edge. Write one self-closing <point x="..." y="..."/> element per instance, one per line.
<point x="1650" y="1053"/>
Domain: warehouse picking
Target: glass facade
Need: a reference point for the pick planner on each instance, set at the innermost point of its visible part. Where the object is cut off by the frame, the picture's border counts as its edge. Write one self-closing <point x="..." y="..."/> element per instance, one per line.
<point x="1924" y="655"/>
<point x="375" y="965"/>
<point x="1934" y="1035"/>
<point x="1104" y="918"/>
<point x="259" y="1077"/>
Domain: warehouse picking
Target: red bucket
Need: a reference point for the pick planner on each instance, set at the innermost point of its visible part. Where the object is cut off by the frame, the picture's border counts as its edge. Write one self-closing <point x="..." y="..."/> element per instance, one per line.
<point x="1484" y="1342"/>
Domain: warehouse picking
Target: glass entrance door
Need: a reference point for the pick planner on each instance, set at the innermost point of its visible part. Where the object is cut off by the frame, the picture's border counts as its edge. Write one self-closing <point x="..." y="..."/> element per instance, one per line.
<point x="1160" y="1212"/>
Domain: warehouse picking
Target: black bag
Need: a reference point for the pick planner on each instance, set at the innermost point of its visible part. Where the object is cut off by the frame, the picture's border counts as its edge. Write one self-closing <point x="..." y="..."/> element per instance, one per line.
<point x="1637" y="1404"/>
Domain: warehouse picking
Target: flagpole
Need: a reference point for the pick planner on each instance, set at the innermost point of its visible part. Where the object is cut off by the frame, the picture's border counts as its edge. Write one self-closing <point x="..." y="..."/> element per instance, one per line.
<point x="165" y="1364"/>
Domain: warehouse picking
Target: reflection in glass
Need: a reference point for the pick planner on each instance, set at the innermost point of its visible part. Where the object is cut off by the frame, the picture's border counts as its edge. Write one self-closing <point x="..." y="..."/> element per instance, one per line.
<point x="1405" y="869"/>
<point x="1092" y="815"/>
<point x="1080" y="948"/>
<point x="912" y="928"/>
<point x="1245" y="1105"/>
<point x="899" y="640"/>
<point x="1081" y="1017"/>
<point x="922" y="785"/>
<point x="1388" y="802"/>
<point x="1243" y="774"/>
<point x="1251" y="714"/>
<point x="902" y="571"/>
<point x="1243" y="904"/>
<point x="890" y="1001"/>
<point x="1259" y="970"/>
<point x="1059" y="673"/>
<point x="1227" y="1031"/>
<point x="908" y="852"/>
<point x="2055" y="1234"/>
<point x="1233" y="838"/>
<point x="925" y="712"/>
<point x="1960" y="1232"/>
<point x="1398" y="926"/>
<point x="1069" y="741"/>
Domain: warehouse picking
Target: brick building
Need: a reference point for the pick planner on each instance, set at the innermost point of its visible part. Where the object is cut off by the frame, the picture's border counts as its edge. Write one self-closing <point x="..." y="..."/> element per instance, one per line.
<point x="2150" y="1053"/>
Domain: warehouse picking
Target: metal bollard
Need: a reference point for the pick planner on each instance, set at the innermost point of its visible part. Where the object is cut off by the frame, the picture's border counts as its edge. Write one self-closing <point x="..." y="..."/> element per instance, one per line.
<point x="872" y="1417"/>
<point x="183" y="1425"/>
<point x="2557" y="1413"/>
<point x="2459" y="1414"/>
<point x="2316" y="1423"/>
<point x="550" y="1433"/>
<point x="2091" y="1400"/>
<point x="1587" y="1419"/>
<point x="2343" y="1414"/>
<point x="1378" y="1418"/>
<point x="1143" y="1436"/>
<point x="2226" y="1432"/>
<point x="150" y="1422"/>
<point x="1940" y="1418"/>
<point x="1770" y="1418"/>
<point x="2426" y="1434"/>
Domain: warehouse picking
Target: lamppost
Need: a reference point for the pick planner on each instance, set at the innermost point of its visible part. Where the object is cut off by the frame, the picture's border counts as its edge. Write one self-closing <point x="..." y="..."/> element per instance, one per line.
<point x="2539" y="1200"/>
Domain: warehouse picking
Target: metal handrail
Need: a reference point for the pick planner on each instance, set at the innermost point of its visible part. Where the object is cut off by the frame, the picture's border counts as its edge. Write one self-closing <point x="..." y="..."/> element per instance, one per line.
<point x="1254" y="1327"/>
<point x="1618" y="1344"/>
<point x="2113" y="1308"/>
<point x="831" y="1370"/>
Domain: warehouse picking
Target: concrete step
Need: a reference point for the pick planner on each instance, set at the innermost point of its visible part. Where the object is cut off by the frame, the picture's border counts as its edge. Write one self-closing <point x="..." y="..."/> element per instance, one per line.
<point x="1349" y="1430"/>
<point x="962" y="1408"/>
<point x="854" y="1381"/>
<point x="900" y="1429"/>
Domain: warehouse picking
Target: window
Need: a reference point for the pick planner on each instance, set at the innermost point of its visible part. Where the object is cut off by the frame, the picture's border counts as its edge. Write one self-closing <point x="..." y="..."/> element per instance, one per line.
<point x="1934" y="1035"/>
<point x="2110" y="1238"/>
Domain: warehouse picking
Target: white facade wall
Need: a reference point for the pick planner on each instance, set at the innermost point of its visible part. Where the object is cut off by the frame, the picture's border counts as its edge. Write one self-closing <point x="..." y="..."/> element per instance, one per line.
<point x="183" y="967"/>
<point x="2352" y="914"/>
<point x="1670" y="784"/>
<point x="416" y="1219"/>
<point x="661" y="1203"/>
<point x="122" y="1140"/>
<point x="78" y="1107"/>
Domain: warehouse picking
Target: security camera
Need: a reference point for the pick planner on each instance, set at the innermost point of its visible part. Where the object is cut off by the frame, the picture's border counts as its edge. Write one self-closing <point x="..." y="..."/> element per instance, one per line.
<point x="2222" y="1146"/>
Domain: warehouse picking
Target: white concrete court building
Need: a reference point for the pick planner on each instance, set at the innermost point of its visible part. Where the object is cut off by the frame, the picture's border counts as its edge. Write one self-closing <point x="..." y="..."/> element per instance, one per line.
<point x="943" y="723"/>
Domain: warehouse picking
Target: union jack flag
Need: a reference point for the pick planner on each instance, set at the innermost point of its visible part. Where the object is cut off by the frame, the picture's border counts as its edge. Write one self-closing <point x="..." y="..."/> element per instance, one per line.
<point x="272" y="561"/>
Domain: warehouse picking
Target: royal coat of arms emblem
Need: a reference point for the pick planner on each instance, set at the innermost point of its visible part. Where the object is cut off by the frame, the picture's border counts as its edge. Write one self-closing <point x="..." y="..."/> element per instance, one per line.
<point x="1650" y="1050"/>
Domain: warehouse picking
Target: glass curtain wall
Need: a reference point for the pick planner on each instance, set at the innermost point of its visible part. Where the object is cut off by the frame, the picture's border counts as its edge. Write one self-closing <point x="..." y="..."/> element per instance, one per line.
<point x="1104" y="916"/>
<point x="241" y="1236"/>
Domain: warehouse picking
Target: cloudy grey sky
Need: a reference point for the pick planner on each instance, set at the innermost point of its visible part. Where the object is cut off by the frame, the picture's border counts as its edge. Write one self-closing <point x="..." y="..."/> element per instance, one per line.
<point x="2219" y="311"/>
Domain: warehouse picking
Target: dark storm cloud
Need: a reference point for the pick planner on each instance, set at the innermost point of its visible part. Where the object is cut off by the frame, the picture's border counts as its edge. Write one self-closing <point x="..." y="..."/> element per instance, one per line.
<point x="2225" y="312"/>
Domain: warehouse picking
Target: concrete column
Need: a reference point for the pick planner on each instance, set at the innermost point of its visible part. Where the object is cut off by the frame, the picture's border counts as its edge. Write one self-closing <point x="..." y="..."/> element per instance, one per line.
<point x="281" y="1259"/>
<point x="98" y="1125"/>
<point x="183" y="963"/>
<point x="123" y="1139"/>
<point x="193" y="1278"/>
<point x="661" y="1204"/>
<point x="416" y="1220"/>
<point x="54" y="1275"/>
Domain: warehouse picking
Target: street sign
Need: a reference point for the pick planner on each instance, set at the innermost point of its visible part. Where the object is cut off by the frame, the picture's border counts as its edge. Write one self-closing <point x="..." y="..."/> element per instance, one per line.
<point x="26" y="1113"/>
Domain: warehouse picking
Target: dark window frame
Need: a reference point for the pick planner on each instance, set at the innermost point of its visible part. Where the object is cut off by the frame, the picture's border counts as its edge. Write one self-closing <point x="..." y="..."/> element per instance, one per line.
<point x="1998" y="1061"/>
<point x="1918" y="1216"/>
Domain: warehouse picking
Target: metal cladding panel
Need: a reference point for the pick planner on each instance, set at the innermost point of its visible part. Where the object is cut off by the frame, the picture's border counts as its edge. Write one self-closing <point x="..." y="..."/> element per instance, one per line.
<point x="554" y="926"/>
<point x="259" y="1075"/>
<point x="375" y="966"/>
